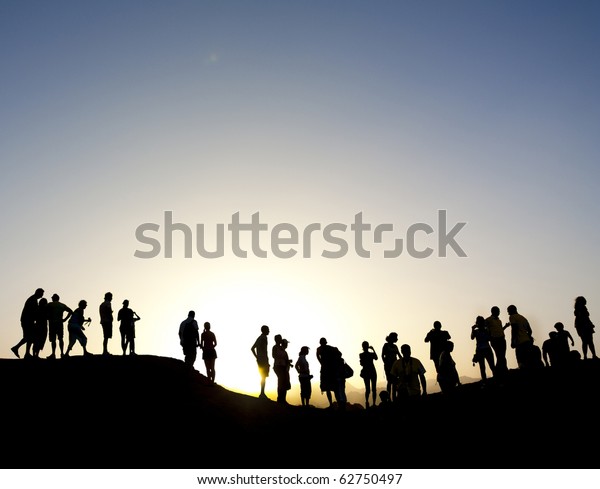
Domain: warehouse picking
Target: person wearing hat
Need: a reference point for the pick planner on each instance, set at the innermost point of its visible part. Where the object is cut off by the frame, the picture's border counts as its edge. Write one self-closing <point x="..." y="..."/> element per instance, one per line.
<point x="127" y="318"/>
<point x="56" y="328"/>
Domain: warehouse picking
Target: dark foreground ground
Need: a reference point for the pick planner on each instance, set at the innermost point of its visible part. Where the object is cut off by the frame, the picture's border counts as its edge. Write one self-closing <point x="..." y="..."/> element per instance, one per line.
<point x="149" y="412"/>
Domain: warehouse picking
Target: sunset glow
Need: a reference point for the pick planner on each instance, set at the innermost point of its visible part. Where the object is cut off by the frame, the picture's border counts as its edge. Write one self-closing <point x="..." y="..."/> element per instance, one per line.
<point x="320" y="120"/>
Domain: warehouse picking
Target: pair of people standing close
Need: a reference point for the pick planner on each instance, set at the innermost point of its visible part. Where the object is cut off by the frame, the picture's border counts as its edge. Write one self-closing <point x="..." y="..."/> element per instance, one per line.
<point x="281" y="367"/>
<point x="409" y="375"/>
<point x="556" y="350"/>
<point x="527" y="353"/>
<point x="437" y="338"/>
<point x="389" y="354"/>
<point x="440" y="352"/>
<point x="127" y="317"/>
<point x="333" y="375"/>
<point x="490" y="343"/>
<point x="190" y="340"/>
<point x="28" y="318"/>
<point x="405" y="375"/>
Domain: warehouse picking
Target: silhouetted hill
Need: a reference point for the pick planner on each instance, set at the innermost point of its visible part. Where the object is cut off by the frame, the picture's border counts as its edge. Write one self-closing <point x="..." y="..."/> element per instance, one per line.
<point x="150" y="412"/>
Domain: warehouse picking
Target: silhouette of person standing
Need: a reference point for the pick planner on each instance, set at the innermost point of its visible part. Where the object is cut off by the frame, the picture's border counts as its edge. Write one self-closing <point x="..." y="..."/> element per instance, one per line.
<point x="437" y="338"/>
<point x="521" y="338"/>
<point x="261" y="353"/>
<point x="483" y="349"/>
<point x="189" y="338"/>
<point x="333" y="373"/>
<point x="208" y="343"/>
<point x="327" y="381"/>
<point x="28" y="317"/>
<point x="389" y="354"/>
<point x="447" y="375"/>
<point x="497" y="339"/>
<point x="106" y="321"/>
<point x="304" y="376"/>
<point x="340" y="379"/>
<point x="584" y="327"/>
<point x="281" y="366"/>
<point x="56" y="320"/>
<point x="287" y="378"/>
<point x="76" y="329"/>
<point x="549" y="349"/>
<point x="563" y="350"/>
<point x="41" y="328"/>
<point x="409" y="375"/>
<point x="127" y="318"/>
<point x="368" y="372"/>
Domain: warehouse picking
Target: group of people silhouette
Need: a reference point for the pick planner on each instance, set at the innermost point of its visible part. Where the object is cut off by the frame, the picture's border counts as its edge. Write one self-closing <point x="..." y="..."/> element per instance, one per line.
<point x="405" y="374"/>
<point x="43" y="321"/>
<point x="491" y="344"/>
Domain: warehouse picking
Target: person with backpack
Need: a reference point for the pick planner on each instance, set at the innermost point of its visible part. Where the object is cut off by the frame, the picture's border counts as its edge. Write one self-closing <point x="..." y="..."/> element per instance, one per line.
<point x="189" y="338"/>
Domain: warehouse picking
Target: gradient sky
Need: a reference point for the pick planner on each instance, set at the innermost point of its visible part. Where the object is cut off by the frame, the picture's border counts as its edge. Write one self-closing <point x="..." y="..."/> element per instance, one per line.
<point x="305" y="112"/>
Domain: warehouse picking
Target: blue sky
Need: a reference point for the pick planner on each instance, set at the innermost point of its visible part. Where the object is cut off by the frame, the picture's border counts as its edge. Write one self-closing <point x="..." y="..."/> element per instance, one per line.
<point x="307" y="112"/>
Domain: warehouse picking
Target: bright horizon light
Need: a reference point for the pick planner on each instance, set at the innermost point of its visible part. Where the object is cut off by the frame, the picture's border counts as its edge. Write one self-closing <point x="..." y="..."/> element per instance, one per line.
<point x="114" y="115"/>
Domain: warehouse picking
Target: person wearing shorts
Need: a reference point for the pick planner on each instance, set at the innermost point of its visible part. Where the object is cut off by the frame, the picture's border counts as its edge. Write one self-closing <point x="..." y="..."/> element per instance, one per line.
<point x="106" y="321"/>
<point x="56" y="328"/>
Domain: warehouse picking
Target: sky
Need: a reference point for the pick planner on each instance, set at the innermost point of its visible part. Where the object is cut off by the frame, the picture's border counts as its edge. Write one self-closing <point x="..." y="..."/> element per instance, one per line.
<point x="133" y="134"/>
